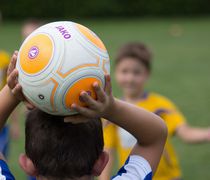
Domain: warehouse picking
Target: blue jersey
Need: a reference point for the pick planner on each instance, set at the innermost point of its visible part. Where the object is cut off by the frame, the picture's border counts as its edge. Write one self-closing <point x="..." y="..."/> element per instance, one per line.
<point x="5" y="173"/>
<point x="4" y="140"/>
<point x="135" y="168"/>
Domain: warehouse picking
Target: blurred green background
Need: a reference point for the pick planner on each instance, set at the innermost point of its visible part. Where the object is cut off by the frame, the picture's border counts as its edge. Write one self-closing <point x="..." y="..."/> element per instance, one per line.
<point x="108" y="8"/>
<point x="180" y="72"/>
<point x="177" y="31"/>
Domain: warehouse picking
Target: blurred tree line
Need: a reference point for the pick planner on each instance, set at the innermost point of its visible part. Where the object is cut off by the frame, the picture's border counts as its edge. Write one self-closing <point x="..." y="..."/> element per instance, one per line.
<point x="101" y="8"/>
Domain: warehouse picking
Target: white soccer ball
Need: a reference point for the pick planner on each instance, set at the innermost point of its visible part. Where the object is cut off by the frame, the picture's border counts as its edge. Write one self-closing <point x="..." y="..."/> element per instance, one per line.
<point x="58" y="61"/>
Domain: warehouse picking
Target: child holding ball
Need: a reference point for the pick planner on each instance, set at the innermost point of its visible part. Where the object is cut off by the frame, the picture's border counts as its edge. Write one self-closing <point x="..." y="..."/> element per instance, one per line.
<point x="57" y="150"/>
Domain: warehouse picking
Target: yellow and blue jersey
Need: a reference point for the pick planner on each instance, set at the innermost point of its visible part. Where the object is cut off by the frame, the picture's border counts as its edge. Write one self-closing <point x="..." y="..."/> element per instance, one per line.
<point x="5" y="172"/>
<point x="4" y="133"/>
<point x="135" y="168"/>
<point x="122" y="141"/>
<point x="4" y="62"/>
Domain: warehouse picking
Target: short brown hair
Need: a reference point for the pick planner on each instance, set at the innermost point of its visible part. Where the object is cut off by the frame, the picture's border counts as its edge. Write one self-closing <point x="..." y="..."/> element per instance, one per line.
<point x="136" y="50"/>
<point x="62" y="150"/>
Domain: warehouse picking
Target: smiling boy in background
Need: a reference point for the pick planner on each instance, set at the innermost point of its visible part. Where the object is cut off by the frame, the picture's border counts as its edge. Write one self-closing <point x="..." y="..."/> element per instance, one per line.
<point x="132" y="71"/>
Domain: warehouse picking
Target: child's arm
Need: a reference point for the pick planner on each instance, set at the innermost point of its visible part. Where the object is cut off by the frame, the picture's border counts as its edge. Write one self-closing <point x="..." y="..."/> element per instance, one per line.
<point x="193" y="134"/>
<point x="177" y="125"/>
<point x="149" y="130"/>
<point x="8" y="101"/>
<point x="7" y="104"/>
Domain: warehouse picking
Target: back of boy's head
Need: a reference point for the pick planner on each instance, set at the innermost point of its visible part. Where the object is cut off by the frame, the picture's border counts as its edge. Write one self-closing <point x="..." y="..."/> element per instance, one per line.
<point x="61" y="150"/>
<point x="137" y="51"/>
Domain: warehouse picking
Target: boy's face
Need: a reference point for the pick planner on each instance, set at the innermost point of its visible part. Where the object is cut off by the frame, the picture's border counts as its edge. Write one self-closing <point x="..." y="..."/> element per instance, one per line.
<point x="131" y="76"/>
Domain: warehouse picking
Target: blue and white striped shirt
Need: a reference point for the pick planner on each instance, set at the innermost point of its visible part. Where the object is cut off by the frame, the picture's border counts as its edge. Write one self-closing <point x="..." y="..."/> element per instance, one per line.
<point x="135" y="168"/>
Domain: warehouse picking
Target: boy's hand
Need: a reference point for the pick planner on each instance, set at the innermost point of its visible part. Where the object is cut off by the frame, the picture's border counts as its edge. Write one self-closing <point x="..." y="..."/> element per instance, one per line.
<point x="101" y="107"/>
<point x="12" y="81"/>
<point x="12" y="78"/>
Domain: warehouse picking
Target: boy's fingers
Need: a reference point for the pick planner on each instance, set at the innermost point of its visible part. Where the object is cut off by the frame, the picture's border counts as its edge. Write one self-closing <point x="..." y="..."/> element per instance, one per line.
<point x="99" y="92"/>
<point x="92" y="104"/>
<point x="108" y="85"/>
<point x="12" y="79"/>
<point x="17" y="90"/>
<point x="82" y="110"/>
<point x="12" y="64"/>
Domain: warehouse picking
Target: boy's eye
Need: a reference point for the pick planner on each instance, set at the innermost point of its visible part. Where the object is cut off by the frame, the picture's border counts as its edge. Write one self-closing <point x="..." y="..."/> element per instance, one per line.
<point x="137" y="72"/>
<point x="124" y="71"/>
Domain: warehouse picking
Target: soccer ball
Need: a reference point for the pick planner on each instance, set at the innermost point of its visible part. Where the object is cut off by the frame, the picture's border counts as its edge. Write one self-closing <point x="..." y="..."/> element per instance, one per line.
<point x="58" y="61"/>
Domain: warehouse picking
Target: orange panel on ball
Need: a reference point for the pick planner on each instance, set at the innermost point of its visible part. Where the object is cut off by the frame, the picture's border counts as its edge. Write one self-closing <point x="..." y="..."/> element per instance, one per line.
<point x="36" y="54"/>
<point x="91" y="36"/>
<point x="73" y="93"/>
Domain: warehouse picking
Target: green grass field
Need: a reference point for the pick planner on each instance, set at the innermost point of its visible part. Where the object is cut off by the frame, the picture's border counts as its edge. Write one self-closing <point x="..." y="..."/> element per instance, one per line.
<point x="181" y="72"/>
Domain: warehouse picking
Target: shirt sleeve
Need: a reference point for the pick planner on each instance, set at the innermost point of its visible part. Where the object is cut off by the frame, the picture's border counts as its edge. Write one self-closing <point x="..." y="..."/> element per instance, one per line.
<point x="170" y="114"/>
<point x="4" y="59"/>
<point x="5" y="173"/>
<point x="110" y="135"/>
<point x="4" y="62"/>
<point x="135" y="168"/>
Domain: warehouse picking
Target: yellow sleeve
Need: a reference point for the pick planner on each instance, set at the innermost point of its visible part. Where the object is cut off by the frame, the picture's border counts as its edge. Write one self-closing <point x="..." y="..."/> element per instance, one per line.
<point x="171" y="115"/>
<point x="110" y="135"/>
<point x="4" y="62"/>
<point x="4" y="59"/>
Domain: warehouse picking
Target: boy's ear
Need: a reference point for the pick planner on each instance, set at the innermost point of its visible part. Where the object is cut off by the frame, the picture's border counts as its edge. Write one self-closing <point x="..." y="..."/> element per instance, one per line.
<point x="27" y="165"/>
<point x="100" y="164"/>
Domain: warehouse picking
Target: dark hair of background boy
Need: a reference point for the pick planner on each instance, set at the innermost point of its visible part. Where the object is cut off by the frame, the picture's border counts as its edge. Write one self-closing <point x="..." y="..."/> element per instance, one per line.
<point x="137" y="51"/>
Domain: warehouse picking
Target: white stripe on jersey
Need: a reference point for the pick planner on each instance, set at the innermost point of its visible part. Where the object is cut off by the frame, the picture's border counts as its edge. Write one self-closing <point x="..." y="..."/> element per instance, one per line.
<point x="136" y="168"/>
<point x="2" y="177"/>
